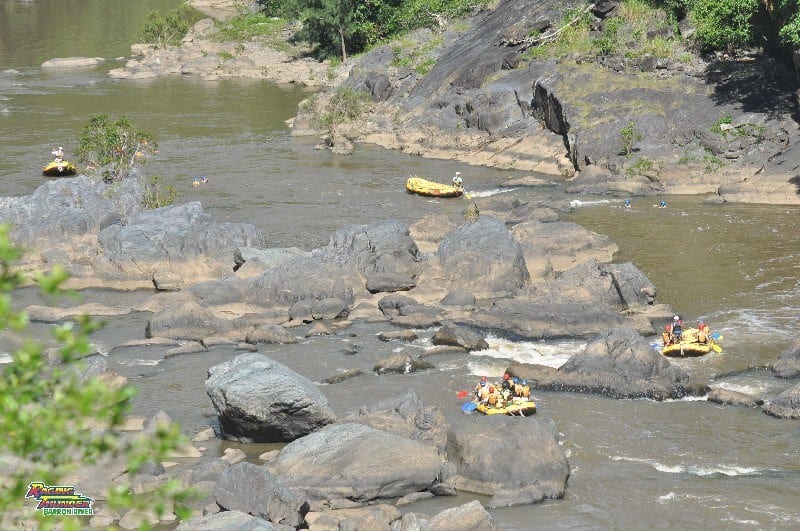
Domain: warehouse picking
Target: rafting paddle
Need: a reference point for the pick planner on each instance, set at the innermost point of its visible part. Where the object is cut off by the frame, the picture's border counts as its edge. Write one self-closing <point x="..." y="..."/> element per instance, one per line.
<point x="462" y="394"/>
<point x="469" y="407"/>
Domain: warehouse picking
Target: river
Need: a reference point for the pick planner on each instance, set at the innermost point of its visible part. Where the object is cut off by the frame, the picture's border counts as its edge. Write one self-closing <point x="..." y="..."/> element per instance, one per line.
<point x="635" y="463"/>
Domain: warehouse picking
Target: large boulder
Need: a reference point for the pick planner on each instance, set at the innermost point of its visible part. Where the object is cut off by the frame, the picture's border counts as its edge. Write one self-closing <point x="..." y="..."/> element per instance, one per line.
<point x="460" y="336"/>
<point x="619" y="363"/>
<point x="228" y="520"/>
<point x="261" y="400"/>
<point x="382" y="249"/>
<point x="407" y="416"/>
<point x="517" y="461"/>
<point x="251" y="489"/>
<point x="483" y="257"/>
<point x="786" y="405"/>
<point x="788" y="364"/>
<point x="179" y="238"/>
<point x="357" y="462"/>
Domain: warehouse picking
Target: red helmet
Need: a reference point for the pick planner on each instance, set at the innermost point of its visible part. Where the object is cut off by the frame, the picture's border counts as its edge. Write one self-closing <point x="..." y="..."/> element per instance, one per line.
<point x="483" y="378"/>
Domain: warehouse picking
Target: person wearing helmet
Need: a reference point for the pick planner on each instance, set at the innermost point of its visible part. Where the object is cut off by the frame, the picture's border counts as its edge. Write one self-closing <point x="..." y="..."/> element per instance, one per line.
<point x="703" y="333"/>
<point x="666" y="335"/>
<point x="481" y="388"/>
<point x="457" y="181"/>
<point x="58" y="154"/>
<point x="676" y="330"/>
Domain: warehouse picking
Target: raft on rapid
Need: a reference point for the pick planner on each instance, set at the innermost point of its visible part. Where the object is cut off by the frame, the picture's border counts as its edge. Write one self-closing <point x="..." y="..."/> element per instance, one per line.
<point x="418" y="185"/>
<point x="689" y="346"/>
<point x="59" y="169"/>
<point x="516" y="408"/>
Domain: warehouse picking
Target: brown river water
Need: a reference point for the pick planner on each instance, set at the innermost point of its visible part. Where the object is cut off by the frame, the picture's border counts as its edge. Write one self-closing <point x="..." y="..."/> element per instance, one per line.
<point x="635" y="463"/>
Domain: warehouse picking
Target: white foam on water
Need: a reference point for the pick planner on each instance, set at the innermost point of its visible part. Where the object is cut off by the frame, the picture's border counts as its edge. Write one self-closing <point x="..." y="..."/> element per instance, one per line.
<point x="550" y="353"/>
<point x="489" y="193"/>
<point x="667" y="497"/>
<point x="136" y="362"/>
<point x="696" y="470"/>
<point x="575" y="203"/>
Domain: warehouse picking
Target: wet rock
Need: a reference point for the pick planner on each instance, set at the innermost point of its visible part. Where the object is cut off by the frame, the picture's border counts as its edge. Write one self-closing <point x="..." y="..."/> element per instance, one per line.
<point x="188" y="322"/>
<point x="260" y="400"/>
<point x="407" y="416"/>
<point x="619" y="363"/>
<point x="450" y="334"/>
<point x="788" y="363"/>
<point x="374" y="517"/>
<point x="270" y="333"/>
<point x="516" y="461"/>
<point x="401" y="335"/>
<point x="786" y="405"/>
<point x="483" y="257"/>
<point x="470" y="516"/>
<point x="389" y="283"/>
<point x="458" y="297"/>
<point x="342" y="376"/>
<point x="356" y="461"/>
<point x="253" y="490"/>
<point x="328" y="308"/>
<point x="72" y="62"/>
<point x="229" y="520"/>
<point x="400" y="363"/>
<point x="390" y="305"/>
<point x="733" y="398"/>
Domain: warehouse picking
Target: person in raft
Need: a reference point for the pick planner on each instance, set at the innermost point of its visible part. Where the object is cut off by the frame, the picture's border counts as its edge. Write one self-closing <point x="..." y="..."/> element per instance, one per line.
<point x="703" y="332"/>
<point x="676" y="330"/>
<point x="58" y="154"/>
<point x="458" y="183"/>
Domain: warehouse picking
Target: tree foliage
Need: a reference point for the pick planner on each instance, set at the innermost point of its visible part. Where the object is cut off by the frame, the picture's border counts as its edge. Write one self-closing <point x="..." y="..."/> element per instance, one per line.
<point x="115" y="145"/>
<point x="49" y="414"/>
<point x="170" y="28"/>
<point x="339" y="28"/>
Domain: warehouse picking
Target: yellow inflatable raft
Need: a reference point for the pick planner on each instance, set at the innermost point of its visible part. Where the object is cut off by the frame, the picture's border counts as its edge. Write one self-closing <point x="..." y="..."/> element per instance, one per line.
<point x="418" y="185"/>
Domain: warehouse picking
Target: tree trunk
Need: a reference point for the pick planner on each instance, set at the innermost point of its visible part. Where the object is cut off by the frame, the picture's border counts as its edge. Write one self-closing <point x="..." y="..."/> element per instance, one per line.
<point x="341" y="40"/>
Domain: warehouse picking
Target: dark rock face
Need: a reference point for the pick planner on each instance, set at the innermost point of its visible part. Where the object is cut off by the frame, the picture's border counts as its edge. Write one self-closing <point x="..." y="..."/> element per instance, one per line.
<point x="357" y="462"/>
<point x="483" y="256"/>
<point x="619" y="363"/>
<point x="261" y="400"/>
<point x="251" y="489"/>
<point x="517" y="461"/>
<point x="788" y="364"/>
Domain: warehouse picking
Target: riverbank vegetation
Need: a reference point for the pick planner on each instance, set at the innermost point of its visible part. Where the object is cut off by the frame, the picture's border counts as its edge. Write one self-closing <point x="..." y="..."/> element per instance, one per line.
<point x="338" y="28"/>
<point x="169" y="28"/>
<point x="57" y="417"/>
<point x="114" y="145"/>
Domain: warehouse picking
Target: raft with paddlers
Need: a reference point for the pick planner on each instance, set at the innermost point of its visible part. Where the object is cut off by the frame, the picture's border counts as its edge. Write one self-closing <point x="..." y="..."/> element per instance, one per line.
<point x="516" y="407"/>
<point x="689" y="345"/>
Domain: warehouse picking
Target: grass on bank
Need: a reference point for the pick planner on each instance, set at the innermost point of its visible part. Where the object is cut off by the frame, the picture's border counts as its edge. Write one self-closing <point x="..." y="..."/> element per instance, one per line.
<point x="168" y="29"/>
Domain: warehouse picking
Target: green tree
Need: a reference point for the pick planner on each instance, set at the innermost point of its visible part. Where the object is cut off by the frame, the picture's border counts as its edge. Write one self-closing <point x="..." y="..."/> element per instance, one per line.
<point x="115" y="145"/>
<point x="630" y="134"/>
<point x="724" y="24"/>
<point x="49" y="416"/>
<point x="331" y="24"/>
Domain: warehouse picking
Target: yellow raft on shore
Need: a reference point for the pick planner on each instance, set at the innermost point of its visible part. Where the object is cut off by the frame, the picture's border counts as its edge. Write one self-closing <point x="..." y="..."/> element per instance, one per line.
<point x="418" y="185"/>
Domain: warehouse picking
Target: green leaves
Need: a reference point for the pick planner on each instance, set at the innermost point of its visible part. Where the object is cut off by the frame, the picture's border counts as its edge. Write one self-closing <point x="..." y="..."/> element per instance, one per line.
<point x="54" y="420"/>
<point x="115" y="145"/>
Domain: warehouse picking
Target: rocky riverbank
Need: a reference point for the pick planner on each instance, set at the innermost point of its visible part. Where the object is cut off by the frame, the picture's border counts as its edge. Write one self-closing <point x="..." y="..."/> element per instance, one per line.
<point x="517" y="270"/>
<point x="522" y="273"/>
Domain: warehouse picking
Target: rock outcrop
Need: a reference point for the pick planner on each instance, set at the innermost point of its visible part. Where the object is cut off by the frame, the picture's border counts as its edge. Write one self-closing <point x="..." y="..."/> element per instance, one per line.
<point x="261" y="400"/>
